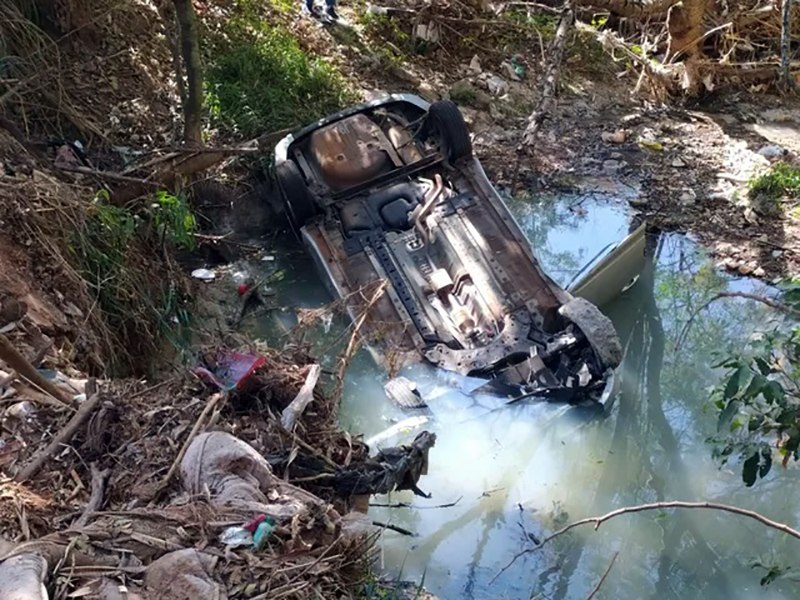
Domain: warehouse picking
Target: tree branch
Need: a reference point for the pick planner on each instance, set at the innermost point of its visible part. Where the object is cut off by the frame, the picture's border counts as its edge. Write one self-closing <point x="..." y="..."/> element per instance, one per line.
<point x="603" y="578"/>
<point x="779" y="306"/>
<point x="656" y="506"/>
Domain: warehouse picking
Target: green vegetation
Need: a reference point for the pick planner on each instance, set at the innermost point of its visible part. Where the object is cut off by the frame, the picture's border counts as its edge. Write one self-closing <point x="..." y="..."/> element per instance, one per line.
<point x="119" y="256"/>
<point x="758" y="401"/>
<point x="464" y="95"/>
<point x="782" y="180"/>
<point x="259" y="79"/>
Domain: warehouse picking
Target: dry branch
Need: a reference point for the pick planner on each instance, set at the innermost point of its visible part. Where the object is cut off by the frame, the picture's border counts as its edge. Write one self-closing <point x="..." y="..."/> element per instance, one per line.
<point x="61" y="437"/>
<point x="597" y="521"/>
<point x="596" y="588"/>
<point x="19" y="363"/>
<point x="211" y="404"/>
<point x="304" y="397"/>
<point x="779" y="306"/>
<point x="96" y="498"/>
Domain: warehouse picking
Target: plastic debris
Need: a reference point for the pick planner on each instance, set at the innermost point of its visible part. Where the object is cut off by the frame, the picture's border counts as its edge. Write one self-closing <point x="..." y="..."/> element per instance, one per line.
<point x="263" y="531"/>
<point x="204" y="274"/>
<point x="231" y="370"/>
<point x="233" y="537"/>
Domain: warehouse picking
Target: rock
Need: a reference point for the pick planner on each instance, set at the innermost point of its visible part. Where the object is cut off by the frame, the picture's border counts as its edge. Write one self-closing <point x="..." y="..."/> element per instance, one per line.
<point x="771" y="151"/>
<point x="750" y="216"/>
<point x="678" y="163"/>
<point x="483" y="100"/>
<point x="638" y="201"/>
<point x="760" y="272"/>
<point x="613" y="165"/>
<point x="497" y="85"/>
<point x="688" y="196"/>
<point x="777" y="253"/>
<point x="617" y="137"/>
<point x="475" y="65"/>
<point x="508" y="68"/>
<point x="745" y="269"/>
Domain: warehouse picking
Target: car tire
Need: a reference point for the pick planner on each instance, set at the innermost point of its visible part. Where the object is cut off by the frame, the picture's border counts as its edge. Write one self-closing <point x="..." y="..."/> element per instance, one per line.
<point x="404" y="393"/>
<point x="297" y="197"/>
<point x="598" y="329"/>
<point x="447" y="120"/>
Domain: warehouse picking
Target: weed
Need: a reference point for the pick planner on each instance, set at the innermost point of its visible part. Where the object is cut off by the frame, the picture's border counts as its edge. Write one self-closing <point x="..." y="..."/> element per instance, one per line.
<point x="263" y="81"/>
<point x="544" y="24"/>
<point x="782" y="180"/>
<point x="174" y="220"/>
<point x="465" y="96"/>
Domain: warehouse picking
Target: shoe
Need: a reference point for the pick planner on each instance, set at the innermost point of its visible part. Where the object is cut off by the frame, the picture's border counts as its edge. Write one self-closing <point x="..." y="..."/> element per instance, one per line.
<point x="330" y="12"/>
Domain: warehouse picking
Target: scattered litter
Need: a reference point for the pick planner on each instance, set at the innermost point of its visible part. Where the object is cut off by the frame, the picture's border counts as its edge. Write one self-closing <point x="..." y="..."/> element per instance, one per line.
<point x="204" y="275"/>
<point x="396" y="429"/>
<point x="678" y="163"/>
<point x="263" y="531"/>
<point x="230" y="370"/>
<point x="650" y="145"/>
<point x="268" y="258"/>
<point x="233" y="537"/>
<point x="429" y="32"/>
<point x="497" y="85"/>
<point x="509" y="70"/>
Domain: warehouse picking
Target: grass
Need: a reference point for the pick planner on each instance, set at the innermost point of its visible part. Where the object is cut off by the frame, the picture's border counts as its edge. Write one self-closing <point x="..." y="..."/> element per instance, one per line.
<point x="780" y="181"/>
<point x="260" y="80"/>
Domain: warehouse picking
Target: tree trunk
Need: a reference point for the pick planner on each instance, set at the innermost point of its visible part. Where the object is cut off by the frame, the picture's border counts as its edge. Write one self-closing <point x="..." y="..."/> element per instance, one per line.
<point x="685" y="24"/>
<point x="190" y="48"/>
<point x="786" y="76"/>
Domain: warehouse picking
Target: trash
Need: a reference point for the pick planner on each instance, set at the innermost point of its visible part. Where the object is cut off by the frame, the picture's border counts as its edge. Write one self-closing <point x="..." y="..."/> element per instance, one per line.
<point x="617" y="137"/>
<point x="750" y="216"/>
<point x="268" y="258"/>
<point x="518" y="68"/>
<point x="475" y="65"/>
<point x="678" y="163"/>
<point x="231" y="370"/>
<point x="429" y="33"/>
<point x="403" y="392"/>
<point x="22" y="578"/>
<point x="204" y="275"/>
<point x="263" y="531"/>
<point x="397" y="428"/>
<point x="21" y="411"/>
<point x="650" y="145"/>
<point x="242" y="289"/>
<point x="183" y="574"/>
<point x="234" y="537"/>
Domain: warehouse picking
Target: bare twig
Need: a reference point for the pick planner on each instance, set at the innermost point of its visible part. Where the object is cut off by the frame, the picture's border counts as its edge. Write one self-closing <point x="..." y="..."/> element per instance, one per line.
<point x="597" y="521"/>
<point x="211" y="404"/>
<point x="394" y="528"/>
<point x="603" y="578"/>
<point x="63" y="436"/>
<point x="11" y="356"/>
<point x="780" y="306"/>
<point x="110" y="176"/>
<point x="96" y="498"/>
<point x="415" y="507"/>
<point x="306" y="394"/>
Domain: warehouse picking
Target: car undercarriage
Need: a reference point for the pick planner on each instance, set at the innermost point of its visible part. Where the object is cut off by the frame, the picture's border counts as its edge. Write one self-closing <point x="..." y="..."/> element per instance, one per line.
<point x="389" y="193"/>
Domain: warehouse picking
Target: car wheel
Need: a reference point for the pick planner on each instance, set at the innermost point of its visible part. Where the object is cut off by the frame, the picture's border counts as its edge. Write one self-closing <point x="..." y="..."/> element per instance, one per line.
<point x="296" y="195"/>
<point x="448" y="121"/>
<point x="598" y="329"/>
<point x="403" y="392"/>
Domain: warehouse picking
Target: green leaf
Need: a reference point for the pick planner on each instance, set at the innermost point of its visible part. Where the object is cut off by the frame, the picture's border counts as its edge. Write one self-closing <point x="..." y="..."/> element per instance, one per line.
<point x="750" y="470"/>
<point x="763" y="366"/>
<point x="757" y="383"/>
<point x="736" y="382"/>
<point x="726" y="416"/>
<point x="773" y="392"/>
<point x="766" y="463"/>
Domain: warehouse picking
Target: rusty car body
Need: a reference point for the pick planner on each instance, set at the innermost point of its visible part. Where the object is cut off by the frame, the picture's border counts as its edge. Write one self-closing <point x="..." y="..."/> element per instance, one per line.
<point x="389" y="191"/>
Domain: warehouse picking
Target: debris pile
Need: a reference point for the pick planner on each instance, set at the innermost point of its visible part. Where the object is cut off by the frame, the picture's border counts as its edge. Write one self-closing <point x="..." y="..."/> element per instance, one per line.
<point x="191" y="484"/>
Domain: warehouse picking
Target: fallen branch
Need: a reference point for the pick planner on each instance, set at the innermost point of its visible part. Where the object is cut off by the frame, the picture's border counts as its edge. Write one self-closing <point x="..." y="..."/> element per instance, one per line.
<point x="655" y="506"/>
<point x="110" y="176"/>
<point x="292" y="412"/>
<point x="787" y="81"/>
<point x="394" y="528"/>
<point x="409" y="505"/>
<point x="779" y="306"/>
<point x="12" y="357"/>
<point x="63" y="436"/>
<point x="96" y="498"/>
<point x="603" y="578"/>
<point x="211" y="404"/>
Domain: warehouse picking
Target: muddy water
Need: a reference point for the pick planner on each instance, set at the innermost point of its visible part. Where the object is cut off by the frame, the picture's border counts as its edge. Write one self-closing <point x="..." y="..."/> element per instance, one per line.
<point x="518" y="473"/>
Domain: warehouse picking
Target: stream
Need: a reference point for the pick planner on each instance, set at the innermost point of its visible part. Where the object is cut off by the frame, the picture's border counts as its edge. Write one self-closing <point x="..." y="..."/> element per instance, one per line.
<point x="512" y="474"/>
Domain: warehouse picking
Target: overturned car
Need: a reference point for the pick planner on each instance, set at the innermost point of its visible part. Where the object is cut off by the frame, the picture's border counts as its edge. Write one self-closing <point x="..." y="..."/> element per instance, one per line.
<point x="389" y="191"/>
